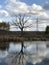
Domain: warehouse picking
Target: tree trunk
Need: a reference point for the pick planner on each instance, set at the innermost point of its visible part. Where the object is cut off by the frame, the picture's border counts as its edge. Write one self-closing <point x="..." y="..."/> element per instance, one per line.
<point x="21" y="31"/>
<point x="22" y="45"/>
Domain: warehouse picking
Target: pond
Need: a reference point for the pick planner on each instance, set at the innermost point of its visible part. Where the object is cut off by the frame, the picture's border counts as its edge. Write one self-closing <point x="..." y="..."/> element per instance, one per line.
<point x="33" y="52"/>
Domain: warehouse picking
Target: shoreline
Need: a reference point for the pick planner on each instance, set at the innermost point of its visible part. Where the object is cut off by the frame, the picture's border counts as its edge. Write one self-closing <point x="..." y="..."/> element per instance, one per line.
<point x="26" y="36"/>
<point x="18" y="39"/>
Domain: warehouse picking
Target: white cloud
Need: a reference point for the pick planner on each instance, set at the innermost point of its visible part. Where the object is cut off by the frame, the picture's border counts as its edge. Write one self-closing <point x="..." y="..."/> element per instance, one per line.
<point x="39" y="11"/>
<point x="15" y="6"/>
<point x="42" y="26"/>
<point x="0" y="20"/>
<point x="36" y="7"/>
<point x="3" y="13"/>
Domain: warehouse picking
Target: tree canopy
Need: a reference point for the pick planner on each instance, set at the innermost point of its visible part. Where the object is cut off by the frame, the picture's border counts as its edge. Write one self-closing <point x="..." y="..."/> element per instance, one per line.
<point x="4" y="26"/>
<point x="21" y="21"/>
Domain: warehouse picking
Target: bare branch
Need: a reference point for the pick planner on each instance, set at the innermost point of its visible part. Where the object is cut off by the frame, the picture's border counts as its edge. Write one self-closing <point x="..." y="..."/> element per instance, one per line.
<point x="20" y="21"/>
<point x="28" y="26"/>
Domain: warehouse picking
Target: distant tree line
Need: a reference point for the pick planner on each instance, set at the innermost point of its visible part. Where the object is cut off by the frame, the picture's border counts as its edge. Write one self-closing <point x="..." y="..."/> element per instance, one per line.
<point x="47" y="29"/>
<point x="4" y="26"/>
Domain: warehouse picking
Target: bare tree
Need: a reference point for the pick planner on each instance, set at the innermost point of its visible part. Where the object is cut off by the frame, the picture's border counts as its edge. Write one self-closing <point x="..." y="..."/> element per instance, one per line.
<point x="21" y="21"/>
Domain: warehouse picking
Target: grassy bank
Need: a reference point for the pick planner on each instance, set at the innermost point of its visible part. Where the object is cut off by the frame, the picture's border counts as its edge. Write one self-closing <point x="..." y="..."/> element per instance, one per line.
<point x="17" y="39"/>
<point x="27" y="36"/>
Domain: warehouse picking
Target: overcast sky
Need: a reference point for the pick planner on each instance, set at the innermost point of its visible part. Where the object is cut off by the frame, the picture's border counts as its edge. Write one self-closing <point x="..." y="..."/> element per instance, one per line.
<point x="38" y="7"/>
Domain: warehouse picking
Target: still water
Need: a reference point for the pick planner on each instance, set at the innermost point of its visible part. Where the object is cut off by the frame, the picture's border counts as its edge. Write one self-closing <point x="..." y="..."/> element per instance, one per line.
<point x="35" y="51"/>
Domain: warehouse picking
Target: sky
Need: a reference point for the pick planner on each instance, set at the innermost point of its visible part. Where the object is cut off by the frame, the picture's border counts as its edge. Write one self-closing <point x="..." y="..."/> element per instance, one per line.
<point x="39" y="2"/>
<point x="29" y="2"/>
<point x="37" y="8"/>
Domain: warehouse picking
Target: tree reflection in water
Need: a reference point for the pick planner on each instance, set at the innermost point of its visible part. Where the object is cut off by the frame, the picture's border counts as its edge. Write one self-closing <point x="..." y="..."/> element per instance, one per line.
<point x="20" y="58"/>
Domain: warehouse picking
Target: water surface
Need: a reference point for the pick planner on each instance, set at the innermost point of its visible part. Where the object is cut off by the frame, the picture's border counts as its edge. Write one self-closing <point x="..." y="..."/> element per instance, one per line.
<point x="36" y="50"/>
